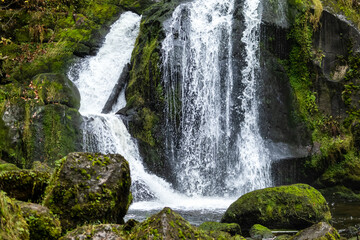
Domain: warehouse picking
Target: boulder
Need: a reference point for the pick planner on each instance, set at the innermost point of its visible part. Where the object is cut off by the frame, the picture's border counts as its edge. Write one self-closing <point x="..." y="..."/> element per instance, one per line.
<point x="42" y="223"/>
<point x="232" y="228"/>
<point x="287" y="207"/>
<point x="89" y="187"/>
<point x="96" y="232"/>
<point x="57" y="88"/>
<point x="12" y="225"/>
<point x="167" y="224"/>
<point x="319" y="231"/>
<point x="24" y="185"/>
<point x="259" y="232"/>
<point x="4" y="166"/>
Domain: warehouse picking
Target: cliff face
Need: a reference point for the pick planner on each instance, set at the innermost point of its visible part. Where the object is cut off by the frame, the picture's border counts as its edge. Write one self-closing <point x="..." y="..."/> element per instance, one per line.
<point x="310" y="61"/>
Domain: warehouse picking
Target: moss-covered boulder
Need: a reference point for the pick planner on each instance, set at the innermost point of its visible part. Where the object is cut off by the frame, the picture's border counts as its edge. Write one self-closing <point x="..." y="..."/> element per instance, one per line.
<point x="88" y="187"/>
<point x="232" y="228"/>
<point x="167" y="224"/>
<point x="42" y="223"/>
<point x="287" y="207"/>
<point x="12" y="225"/>
<point x="319" y="231"/>
<point x="259" y="232"/>
<point x="57" y="88"/>
<point x="24" y="185"/>
<point x="101" y="231"/>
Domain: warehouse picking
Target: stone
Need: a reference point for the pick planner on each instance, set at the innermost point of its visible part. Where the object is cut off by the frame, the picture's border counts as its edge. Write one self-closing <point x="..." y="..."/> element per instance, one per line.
<point x="287" y="207"/>
<point x="319" y="231"/>
<point x="259" y="232"/>
<point x="88" y="188"/>
<point x="12" y="225"/>
<point x="167" y="224"/>
<point x="42" y="223"/>
<point x="231" y="228"/>
<point x="24" y="185"/>
<point x="57" y="88"/>
<point x="96" y="232"/>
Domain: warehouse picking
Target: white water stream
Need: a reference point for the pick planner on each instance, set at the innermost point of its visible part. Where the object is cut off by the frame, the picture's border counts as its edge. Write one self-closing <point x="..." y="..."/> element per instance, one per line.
<point x="214" y="163"/>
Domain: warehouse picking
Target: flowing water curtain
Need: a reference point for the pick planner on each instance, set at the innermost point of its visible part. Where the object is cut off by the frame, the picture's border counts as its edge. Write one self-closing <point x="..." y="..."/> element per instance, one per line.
<point x="211" y="151"/>
<point x="198" y="82"/>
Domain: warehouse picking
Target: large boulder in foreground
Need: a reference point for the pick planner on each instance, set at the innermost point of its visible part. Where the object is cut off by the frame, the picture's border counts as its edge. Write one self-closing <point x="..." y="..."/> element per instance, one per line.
<point x="42" y="223"/>
<point x="12" y="224"/>
<point x="319" y="231"/>
<point x="288" y="207"/>
<point x="88" y="187"/>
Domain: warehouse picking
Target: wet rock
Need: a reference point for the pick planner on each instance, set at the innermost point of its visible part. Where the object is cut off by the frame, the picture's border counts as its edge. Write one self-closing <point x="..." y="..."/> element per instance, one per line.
<point x="89" y="187"/>
<point x="231" y="228"/>
<point x="12" y="225"/>
<point x="259" y="232"/>
<point x="24" y="185"/>
<point x="286" y="207"/>
<point x="96" y="232"/>
<point x="319" y="231"/>
<point x="42" y="223"/>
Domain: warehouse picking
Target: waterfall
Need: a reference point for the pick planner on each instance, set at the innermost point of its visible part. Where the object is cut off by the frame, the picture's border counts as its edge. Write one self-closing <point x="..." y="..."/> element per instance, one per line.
<point x="95" y="78"/>
<point x="211" y="151"/>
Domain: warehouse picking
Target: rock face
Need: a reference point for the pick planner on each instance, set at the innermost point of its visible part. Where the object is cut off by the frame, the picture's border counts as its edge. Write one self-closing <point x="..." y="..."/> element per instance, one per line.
<point x="42" y="223"/>
<point x="24" y="185"/>
<point x="38" y="132"/>
<point x="295" y="206"/>
<point x="96" y="232"/>
<point x="12" y="225"/>
<point x="89" y="187"/>
<point x="319" y="231"/>
<point x="167" y="224"/>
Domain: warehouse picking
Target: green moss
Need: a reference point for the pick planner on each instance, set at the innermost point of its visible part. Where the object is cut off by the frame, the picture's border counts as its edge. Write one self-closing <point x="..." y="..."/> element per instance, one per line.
<point x="12" y="224"/>
<point x="258" y="231"/>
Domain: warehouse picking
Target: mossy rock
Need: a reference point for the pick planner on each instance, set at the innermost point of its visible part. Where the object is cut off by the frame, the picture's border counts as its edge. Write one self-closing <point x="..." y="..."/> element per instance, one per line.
<point x="137" y="6"/>
<point x="24" y="185"/>
<point x="42" y="223"/>
<point x="166" y="224"/>
<point x="101" y="231"/>
<point x="259" y="232"/>
<point x="32" y="131"/>
<point x="88" y="188"/>
<point x="287" y="207"/>
<point x="319" y="231"/>
<point x="8" y="167"/>
<point x="232" y="228"/>
<point x="340" y="193"/>
<point x="57" y="88"/>
<point x="12" y="225"/>
<point x="41" y="167"/>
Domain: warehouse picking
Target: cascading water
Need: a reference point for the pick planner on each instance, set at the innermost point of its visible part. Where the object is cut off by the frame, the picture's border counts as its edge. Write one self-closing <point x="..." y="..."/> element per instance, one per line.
<point x="95" y="78"/>
<point x="211" y="154"/>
